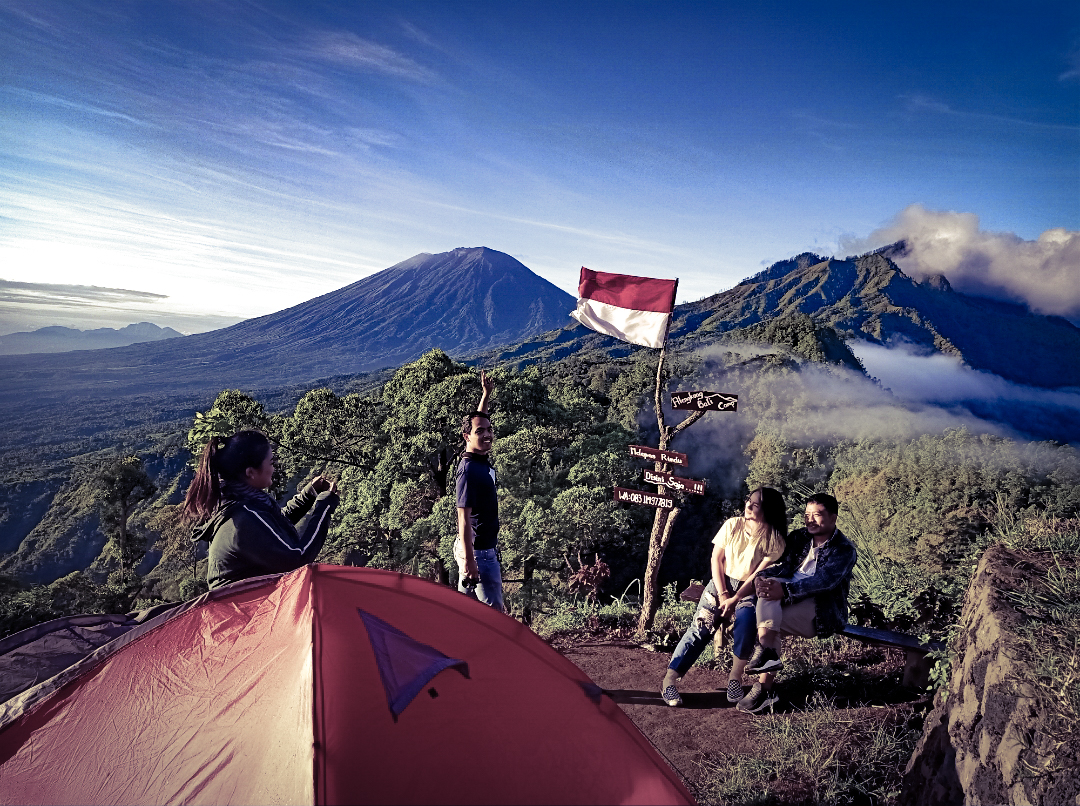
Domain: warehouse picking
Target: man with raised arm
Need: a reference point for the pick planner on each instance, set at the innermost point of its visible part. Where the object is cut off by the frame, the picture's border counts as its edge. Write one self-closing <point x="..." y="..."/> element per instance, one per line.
<point x="476" y="552"/>
<point x="805" y="593"/>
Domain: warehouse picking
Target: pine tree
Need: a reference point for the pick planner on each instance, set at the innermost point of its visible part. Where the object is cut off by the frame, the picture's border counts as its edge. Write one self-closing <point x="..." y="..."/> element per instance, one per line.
<point x="124" y="483"/>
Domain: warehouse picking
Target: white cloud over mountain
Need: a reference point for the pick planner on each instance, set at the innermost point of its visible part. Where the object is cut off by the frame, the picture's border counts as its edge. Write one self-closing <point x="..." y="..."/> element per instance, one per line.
<point x="1044" y="273"/>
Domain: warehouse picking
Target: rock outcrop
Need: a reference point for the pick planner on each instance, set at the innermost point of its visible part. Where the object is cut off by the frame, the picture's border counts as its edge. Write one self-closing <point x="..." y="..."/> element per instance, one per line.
<point x="988" y="739"/>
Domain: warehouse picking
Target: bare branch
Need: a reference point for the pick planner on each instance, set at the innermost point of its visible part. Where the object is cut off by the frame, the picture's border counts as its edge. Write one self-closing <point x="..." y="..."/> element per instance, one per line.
<point x="656" y="398"/>
<point x="693" y="418"/>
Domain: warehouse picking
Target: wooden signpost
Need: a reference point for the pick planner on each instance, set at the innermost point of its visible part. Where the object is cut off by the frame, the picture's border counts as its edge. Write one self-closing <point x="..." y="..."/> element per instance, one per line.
<point x="704" y="401"/>
<point x="654" y="455"/>
<point x="691" y="401"/>
<point x="677" y="483"/>
<point x="625" y="496"/>
<point x="667" y="480"/>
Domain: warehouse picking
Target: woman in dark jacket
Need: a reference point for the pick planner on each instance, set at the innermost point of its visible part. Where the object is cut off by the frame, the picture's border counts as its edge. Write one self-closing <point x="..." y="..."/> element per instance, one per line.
<point x="249" y="535"/>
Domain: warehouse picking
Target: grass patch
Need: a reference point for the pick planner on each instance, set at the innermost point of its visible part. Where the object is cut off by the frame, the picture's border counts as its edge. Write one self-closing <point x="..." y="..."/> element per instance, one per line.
<point x="817" y="755"/>
<point x="574" y="615"/>
<point x="849" y="674"/>
<point x="1048" y="643"/>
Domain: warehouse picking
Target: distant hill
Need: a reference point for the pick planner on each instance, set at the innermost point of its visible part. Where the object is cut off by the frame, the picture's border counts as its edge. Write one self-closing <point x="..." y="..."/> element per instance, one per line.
<point x="58" y="339"/>
<point x="462" y="301"/>
<point x="866" y="297"/>
<point x="869" y="297"/>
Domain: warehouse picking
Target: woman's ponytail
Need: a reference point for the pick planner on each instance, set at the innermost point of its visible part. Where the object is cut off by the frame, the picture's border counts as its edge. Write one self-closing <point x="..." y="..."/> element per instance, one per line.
<point x="205" y="490"/>
<point x="226" y="459"/>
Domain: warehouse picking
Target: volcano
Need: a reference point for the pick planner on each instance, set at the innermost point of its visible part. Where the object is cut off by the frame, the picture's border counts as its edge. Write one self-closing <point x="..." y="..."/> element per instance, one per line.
<point x="463" y="301"/>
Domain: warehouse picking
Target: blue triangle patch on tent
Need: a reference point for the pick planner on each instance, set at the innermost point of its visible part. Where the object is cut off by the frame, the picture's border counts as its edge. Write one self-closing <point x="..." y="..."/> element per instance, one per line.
<point x="405" y="665"/>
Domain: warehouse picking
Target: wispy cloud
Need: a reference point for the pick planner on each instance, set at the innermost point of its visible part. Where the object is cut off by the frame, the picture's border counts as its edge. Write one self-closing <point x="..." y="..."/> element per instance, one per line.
<point x="834" y="135"/>
<point x="1073" y="72"/>
<point x="349" y="49"/>
<point x="414" y="32"/>
<point x="921" y="103"/>
<point x="12" y="291"/>
<point x="74" y="105"/>
<point x="917" y="103"/>
<point x="621" y="240"/>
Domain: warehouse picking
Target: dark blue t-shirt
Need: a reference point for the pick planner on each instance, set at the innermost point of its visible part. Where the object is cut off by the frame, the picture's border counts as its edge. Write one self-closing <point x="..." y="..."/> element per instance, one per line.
<point x="475" y="482"/>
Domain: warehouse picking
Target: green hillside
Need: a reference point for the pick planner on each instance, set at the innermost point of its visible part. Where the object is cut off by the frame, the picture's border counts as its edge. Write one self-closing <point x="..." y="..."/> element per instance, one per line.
<point x="869" y="297"/>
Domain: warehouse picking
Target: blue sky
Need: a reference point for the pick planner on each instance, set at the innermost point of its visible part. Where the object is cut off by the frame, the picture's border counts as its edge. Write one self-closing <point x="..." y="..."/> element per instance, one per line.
<point x="194" y="163"/>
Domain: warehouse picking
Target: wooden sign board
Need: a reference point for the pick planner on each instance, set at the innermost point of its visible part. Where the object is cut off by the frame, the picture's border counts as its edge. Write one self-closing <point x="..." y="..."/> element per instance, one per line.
<point x="704" y="401"/>
<point x="674" y="482"/>
<point x="625" y="496"/>
<point x="671" y="457"/>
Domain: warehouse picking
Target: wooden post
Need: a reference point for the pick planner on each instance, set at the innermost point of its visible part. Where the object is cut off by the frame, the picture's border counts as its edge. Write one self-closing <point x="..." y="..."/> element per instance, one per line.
<point x="527" y="577"/>
<point x="664" y="519"/>
<point x="440" y="575"/>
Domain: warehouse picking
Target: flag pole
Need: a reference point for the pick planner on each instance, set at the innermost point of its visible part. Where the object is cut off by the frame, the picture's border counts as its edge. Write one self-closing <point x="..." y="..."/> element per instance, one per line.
<point x="663" y="519"/>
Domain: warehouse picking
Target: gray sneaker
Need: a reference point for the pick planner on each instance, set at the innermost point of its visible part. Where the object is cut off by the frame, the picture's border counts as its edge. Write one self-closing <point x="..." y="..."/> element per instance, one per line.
<point x="757" y="700"/>
<point x="765" y="659"/>
<point x="671" y="696"/>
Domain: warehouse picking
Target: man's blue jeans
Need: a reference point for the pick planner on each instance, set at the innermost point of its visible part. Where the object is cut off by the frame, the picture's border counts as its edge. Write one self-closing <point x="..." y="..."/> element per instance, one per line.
<point x="490" y="590"/>
<point x="700" y="633"/>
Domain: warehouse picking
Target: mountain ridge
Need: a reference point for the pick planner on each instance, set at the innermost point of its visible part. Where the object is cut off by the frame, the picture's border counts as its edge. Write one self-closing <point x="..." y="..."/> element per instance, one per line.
<point x="59" y="339"/>
<point x="869" y="297"/>
<point x="866" y="297"/>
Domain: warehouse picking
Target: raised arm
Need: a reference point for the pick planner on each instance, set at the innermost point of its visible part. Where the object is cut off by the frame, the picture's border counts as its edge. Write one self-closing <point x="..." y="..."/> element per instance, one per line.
<point x="301" y="503"/>
<point x="488" y="386"/>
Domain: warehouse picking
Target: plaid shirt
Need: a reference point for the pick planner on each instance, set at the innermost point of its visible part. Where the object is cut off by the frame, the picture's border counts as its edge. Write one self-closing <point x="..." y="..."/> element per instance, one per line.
<point x="829" y="584"/>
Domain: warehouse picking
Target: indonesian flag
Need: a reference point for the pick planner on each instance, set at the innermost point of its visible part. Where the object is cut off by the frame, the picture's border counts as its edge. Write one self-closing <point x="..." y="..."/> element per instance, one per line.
<point x="634" y="309"/>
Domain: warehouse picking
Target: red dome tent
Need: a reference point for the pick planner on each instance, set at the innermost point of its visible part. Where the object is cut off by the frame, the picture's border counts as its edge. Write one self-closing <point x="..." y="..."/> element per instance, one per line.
<point x="327" y="685"/>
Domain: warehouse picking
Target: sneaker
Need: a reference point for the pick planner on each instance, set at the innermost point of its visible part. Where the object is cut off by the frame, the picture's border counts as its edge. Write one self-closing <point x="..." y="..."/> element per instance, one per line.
<point x="755" y="658"/>
<point x="757" y="700"/>
<point x="671" y="696"/>
<point x="765" y="659"/>
<point x="735" y="690"/>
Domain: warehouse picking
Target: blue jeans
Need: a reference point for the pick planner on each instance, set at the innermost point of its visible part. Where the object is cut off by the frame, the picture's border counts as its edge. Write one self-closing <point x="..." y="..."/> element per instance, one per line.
<point x="489" y="591"/>
<point x="699" y="634"/>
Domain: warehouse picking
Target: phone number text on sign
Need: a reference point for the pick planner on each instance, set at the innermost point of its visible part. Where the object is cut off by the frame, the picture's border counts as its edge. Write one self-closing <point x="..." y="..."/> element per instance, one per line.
<point x="625" y="496"/>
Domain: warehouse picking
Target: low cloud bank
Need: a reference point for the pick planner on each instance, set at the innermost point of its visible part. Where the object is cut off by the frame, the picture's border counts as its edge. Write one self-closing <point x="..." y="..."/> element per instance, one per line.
<point x="916" y="394"/>
<point x="819" y="405"/>
<point x="1044" y="274"/>
<point x="913" y="374"/>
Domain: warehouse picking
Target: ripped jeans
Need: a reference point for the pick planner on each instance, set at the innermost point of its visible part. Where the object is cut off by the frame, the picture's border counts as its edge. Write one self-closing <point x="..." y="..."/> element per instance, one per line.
<point x="701" y="630"/>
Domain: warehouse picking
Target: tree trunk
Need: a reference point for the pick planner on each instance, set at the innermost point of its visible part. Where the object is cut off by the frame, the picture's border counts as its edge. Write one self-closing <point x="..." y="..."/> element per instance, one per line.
<point x="527" y="574"/>
<point x="123" y="535"/>
<point x="664" y="520"/>
<point x="658" y="543"/>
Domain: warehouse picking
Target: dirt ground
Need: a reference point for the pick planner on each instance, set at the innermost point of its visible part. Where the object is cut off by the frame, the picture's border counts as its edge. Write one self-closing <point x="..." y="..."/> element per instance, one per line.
<point x="706" y="723"/>
<point x="686" y="735"/>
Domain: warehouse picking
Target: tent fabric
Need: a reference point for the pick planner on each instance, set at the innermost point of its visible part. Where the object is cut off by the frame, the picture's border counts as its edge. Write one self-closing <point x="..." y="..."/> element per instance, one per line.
<point x="405" y="665"/>
<point x="270" y="691"/>
<point x="36" y="654"/>
<point x="127" y="628"/>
